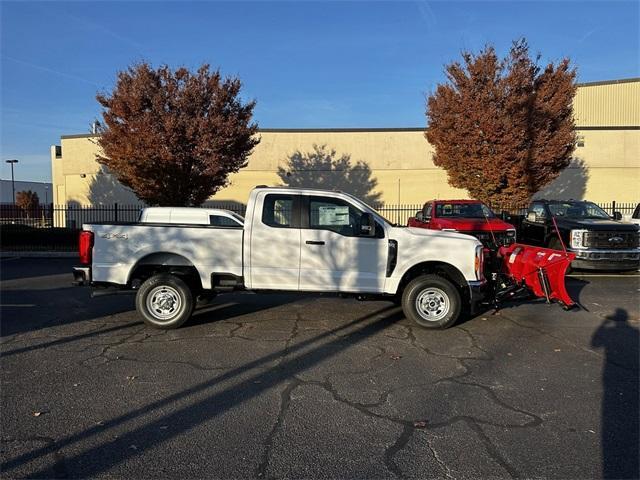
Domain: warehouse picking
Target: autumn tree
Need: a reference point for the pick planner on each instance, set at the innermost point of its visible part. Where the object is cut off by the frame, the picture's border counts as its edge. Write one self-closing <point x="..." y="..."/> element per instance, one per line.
<point x="503" y="128"/>
<point x="28" y="201"/>
<point x="174" y="136"/>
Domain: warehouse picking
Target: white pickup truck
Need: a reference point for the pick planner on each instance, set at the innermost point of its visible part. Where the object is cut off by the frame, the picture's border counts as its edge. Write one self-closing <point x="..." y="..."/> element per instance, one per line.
<point x="296" y="240"/>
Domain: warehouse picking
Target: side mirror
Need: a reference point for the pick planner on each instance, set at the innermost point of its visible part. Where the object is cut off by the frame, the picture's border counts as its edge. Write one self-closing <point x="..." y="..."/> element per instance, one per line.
<point x="367" y="225"/>
<point x="617" y="216"/>
<point x="531" y="217"/>
<point x="419" y="216"/>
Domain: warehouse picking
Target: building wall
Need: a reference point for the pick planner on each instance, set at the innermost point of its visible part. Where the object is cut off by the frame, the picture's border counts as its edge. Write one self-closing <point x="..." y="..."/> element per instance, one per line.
<point x="606" y="165"/>
<point x="608" y="104"/>
<point x="43" y="190"/>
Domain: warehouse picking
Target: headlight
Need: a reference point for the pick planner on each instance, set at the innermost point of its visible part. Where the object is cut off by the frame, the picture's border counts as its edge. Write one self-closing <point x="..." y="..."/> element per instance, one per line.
<point x="511" y="233"/>
<point x="577" y="238"/>
<point x="479" y="262"/>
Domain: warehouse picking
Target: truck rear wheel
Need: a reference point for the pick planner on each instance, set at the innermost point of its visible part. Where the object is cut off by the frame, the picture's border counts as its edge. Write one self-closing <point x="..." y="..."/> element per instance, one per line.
<point x="164" y="301"/>
<point x="431" y="301"/>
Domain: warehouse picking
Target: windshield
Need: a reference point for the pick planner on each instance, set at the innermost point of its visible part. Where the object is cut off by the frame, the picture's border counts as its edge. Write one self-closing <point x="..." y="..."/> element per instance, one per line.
<point x="463" y="210"/>
<point x="371" y="210"/>
<point x="578" y="210"/>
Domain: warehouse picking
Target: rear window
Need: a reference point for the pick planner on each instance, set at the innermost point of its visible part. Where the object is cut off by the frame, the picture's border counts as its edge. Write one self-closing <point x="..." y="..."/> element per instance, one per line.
<point x="222" y="221"/>
<point x="277" y="211"/>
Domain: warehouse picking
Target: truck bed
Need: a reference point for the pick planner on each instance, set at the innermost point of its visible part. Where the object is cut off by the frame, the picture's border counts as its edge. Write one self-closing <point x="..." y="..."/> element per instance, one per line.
<point x="120" y="247"/>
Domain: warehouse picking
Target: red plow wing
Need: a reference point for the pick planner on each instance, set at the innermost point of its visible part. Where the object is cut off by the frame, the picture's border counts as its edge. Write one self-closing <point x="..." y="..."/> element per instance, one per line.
<point x="541" y="270"/>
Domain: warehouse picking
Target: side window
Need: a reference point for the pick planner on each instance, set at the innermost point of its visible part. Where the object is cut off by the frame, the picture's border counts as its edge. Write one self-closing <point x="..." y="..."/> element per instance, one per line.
<point x="537" y="213"/>
<point x="277" y="211"/>
<point x="333" y="214"/>
<point x="220" y="221"/>
<point x="427" y="211"/>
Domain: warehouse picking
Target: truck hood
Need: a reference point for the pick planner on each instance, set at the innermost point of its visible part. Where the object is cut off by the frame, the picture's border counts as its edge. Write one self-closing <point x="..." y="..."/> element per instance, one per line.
<point x="596" y="225"/>
<point x="419" y="234"/>
<point x="475" y="224"/>
<point x="418" y="245"/>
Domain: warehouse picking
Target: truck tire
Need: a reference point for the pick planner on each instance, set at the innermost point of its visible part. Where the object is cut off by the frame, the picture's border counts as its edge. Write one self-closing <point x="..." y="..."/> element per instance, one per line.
<point x="431" y="301"/>
<point x="164" y="301"/>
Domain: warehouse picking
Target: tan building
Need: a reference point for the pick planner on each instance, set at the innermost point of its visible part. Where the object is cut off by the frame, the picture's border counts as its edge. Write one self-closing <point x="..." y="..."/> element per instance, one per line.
<point x="392" y="165"/>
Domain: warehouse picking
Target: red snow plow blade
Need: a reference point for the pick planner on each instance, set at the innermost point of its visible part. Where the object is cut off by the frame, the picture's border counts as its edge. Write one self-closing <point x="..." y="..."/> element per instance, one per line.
<point x="541" y="270"/>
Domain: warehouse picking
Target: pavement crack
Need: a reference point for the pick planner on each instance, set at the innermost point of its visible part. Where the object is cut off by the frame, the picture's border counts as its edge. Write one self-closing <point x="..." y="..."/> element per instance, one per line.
<point x="109" y="346"/>
<point x="414" y="343"/>
<point x="391" y="451"/>
<point x="285" y="401"/>
<point x="436" y="456"/>
<point x="195" y="366"/>
<point x="492" y="450"/>
<point x="401" y="442"/>
<point x="475" y="344"/>
<point x="535" y="419"/>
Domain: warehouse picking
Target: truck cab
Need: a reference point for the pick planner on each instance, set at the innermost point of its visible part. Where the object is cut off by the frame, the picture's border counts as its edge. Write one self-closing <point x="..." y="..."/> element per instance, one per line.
<point x="470" y="217"/>
<point x="600" y="242"/>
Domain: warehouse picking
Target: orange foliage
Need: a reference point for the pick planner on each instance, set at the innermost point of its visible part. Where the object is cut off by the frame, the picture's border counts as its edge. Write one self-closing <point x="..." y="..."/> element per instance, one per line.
<point x="503" y="128"/>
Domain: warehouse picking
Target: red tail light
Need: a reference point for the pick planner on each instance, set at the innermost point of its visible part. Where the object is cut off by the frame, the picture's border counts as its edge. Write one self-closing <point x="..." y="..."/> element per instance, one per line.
<point x="85" y="247"/>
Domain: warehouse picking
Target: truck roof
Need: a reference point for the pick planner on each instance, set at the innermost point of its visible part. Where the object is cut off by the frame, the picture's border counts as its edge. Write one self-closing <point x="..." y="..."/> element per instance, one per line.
<point x="285" y="187"/>
<point x="455" y="201"/>
<point x="188" y="210"/>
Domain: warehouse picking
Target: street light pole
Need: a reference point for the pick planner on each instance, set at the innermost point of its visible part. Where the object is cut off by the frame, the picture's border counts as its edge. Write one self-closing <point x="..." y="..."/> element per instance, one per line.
<point x="13" y="183"/>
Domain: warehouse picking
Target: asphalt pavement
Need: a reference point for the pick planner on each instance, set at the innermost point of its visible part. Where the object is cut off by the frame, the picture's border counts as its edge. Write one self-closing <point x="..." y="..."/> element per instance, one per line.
<point x="287" y="386"/>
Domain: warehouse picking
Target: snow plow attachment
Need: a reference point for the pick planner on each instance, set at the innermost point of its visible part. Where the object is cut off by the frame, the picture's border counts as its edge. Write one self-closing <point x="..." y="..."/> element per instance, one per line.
<point x="541" y="270"/>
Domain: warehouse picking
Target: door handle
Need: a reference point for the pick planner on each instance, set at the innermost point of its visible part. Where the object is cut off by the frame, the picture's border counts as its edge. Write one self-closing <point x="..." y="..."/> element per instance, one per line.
<point x="314" y="242"/>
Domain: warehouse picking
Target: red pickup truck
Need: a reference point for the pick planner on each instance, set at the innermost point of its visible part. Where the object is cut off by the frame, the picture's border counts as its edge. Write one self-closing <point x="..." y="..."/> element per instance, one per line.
<point x="465" y="216"/>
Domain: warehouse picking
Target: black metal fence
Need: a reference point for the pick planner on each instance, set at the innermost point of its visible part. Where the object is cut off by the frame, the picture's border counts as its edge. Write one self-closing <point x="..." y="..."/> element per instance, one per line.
<point x="55" y="227"/>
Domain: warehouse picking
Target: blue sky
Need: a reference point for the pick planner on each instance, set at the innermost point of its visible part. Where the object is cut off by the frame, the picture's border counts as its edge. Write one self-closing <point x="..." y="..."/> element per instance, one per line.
<point x="308" y="64"/>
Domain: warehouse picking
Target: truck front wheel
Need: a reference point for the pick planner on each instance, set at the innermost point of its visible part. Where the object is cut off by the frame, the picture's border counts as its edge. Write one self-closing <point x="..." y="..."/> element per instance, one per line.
<point x="164" y="301"/>
<point x="431" y="301"/>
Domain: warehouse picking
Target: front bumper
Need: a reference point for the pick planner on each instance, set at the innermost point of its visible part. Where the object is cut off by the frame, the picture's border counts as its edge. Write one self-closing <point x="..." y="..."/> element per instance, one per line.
<point x="595" y="259"/>
<point x="477" y="293"/>
<point x="81" y="276"/>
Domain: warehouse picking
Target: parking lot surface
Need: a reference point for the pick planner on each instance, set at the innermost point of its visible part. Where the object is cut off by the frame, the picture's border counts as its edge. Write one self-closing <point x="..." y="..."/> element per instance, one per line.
<point x="286" y="386"/>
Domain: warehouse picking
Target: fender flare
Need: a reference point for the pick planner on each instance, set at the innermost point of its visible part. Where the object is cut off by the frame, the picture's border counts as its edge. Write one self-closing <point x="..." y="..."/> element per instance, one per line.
<point x="164" y="259"/>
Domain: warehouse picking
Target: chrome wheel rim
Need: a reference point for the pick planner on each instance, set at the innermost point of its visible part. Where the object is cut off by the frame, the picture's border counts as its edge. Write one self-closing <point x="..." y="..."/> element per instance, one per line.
<point x="432" y="304"/>
<point x="164" y="302"/>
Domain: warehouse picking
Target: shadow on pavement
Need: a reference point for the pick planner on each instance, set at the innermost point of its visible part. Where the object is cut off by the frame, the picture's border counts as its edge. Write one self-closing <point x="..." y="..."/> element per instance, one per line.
<point x="229" y="306"/>
<point x="69" y="339"/>
<point x="23" y="268"/>
<point x="620" y="410"/>
<point x="102" y="457"/>
<point x="30" y="310"/>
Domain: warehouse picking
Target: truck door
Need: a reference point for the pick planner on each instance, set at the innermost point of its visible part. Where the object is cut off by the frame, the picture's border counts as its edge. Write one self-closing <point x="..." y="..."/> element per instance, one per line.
<point x="334" y="256"/>
<point x="274" y="260"/>
<point x="534" y="226"/>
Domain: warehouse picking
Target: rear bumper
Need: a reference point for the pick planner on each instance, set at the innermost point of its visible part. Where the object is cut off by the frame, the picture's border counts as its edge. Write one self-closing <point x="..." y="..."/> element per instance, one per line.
<point x="81" y="276"/>
<point x="593" y="259"/>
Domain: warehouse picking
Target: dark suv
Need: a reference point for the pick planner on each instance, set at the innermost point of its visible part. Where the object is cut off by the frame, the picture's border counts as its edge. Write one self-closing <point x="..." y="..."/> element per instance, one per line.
<point x="599" y="241"/>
